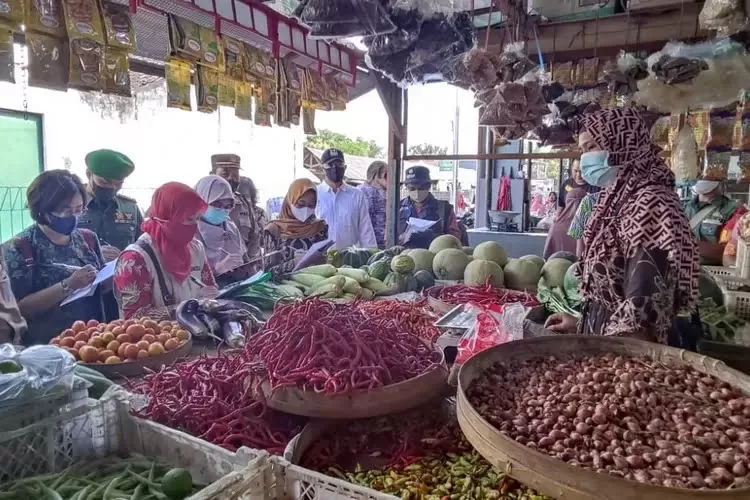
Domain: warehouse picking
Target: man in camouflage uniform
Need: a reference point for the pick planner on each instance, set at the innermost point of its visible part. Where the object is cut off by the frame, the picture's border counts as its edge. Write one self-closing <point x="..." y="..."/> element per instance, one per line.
<point x="228" y="167"/>
<point x="116" y="219"/>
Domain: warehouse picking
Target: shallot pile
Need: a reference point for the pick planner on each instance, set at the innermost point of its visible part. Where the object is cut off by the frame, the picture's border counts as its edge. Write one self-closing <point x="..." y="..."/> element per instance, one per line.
<point x="635" y="418"/>
<point x="338" y="348"/>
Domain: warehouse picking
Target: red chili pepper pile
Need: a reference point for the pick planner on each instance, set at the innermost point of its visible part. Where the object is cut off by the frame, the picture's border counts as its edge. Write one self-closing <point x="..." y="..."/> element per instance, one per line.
<point x="337" y="348"/>
<point x="413" y="317"/>
<point x="485" y="295"/>
<point x="397" y="440"/>
<point x="208" y="398"/>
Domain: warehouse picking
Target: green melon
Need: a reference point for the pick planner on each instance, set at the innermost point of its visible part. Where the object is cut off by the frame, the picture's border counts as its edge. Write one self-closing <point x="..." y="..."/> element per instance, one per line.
<point x="422" y="259"/>
<point x="521" y="274"/>
<point x="424" y="279"/>
<point x="554" y="271"/>
<point x="445" y="242"/>
<point x="380" y="269"/>
<point x="402" y="264"/>
<point x="536" y="259"/>
<point x="479" y="271"/>
<point x="492" y="251"/>
<point x="450" y="264"/>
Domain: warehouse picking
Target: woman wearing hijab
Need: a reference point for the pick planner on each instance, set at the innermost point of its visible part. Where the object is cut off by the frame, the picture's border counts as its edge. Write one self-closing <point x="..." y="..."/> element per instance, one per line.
<point x="167" y="264"/>
<point x="640" y="264"/>
<point x="296" y="228"/>
<point x="558" y="239"/>
<point x="225" y="250"/>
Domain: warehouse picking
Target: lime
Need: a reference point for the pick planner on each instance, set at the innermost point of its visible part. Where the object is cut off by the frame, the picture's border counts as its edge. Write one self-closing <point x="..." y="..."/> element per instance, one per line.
<point x="10" y="366"/>
<point x="177" y="483"/>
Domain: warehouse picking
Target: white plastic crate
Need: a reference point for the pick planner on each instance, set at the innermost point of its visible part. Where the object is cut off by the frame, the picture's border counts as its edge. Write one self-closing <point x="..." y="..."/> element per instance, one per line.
<point x="36" y="409"/>
<point x="105" y="428"/>
<point x="735" y="301"/>
<point x="719" y="271"/>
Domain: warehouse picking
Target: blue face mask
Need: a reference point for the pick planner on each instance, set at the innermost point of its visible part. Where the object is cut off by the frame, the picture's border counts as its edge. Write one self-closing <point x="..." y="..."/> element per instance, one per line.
<point x="215" y="215"/>
<point x="62" y="225"/>
<point x="595" y="170"/>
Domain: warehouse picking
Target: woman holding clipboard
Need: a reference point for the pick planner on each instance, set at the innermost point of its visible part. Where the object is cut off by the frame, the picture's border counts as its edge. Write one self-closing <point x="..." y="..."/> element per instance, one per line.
<point x="296" y="231"/>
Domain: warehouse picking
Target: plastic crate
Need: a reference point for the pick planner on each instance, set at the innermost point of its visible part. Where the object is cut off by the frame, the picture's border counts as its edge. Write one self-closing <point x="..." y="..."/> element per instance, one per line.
<point x="293" y="482"/>
<point x="734" y="300"/>
<point x="36" y="409"/>
<point x="106" y="428"/>
<point x="719" y="271"/>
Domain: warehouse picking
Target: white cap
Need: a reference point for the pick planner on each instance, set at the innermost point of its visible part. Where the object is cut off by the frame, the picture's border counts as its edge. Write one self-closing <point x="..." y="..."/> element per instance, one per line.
<point x="705" y="187"/>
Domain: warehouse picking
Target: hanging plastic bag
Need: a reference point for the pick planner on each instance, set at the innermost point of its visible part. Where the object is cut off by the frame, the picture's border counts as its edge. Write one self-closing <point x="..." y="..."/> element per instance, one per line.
<point x="725" y="16"/>
<point x="344" y="18"/>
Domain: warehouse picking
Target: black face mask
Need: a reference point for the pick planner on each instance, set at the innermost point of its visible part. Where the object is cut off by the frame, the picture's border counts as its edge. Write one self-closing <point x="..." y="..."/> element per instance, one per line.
<point x="235" y="185"/>
<point x="104" y="194"/>
<point x="335" y="174"/>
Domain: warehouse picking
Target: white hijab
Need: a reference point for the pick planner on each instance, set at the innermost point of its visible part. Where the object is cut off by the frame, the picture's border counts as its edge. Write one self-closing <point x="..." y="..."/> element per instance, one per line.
<point x="225" y="249"/>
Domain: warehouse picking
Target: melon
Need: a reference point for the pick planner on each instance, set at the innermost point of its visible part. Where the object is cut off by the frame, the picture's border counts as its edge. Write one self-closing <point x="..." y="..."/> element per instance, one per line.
<point x="400" y="283"/>
<point x="450" y="264"/>
<point x="492" y="251"/>
<point x="521" y="274"/>
<point x="554" y="271"/>
<point x="536" y="259"/>
<point x="479" y="271"/>
<point x="422" y="259"/>
<point x="445" y="242"/>
<point x="402" y="264"/>
<point x="424" y="279"/>
<point x="562" y="254"/>
<point x="571" y="285"/>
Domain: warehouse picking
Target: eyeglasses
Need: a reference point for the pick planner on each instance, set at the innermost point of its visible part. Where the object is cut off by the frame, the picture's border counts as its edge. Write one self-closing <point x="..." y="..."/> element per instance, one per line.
<point x="71" y="212"/>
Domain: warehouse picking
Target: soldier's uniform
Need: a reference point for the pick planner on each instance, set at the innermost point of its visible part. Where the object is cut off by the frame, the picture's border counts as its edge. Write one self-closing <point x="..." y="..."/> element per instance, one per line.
<point x="242" y="214"/>
<point x="117" y="222"/>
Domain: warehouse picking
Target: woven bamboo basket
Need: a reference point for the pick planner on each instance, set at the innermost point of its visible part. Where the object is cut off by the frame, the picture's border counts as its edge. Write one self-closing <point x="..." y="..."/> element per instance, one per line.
<point x="555" y="477"/>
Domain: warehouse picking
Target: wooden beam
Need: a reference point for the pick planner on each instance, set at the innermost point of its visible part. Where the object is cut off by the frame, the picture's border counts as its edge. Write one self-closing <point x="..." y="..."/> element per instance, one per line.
<point x="612" y="33"/>
<point x="387" y="91"/>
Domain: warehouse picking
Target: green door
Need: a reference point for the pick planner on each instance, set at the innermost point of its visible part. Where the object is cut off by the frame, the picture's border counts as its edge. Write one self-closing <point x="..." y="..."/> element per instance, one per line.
<point x="22" y="159"/>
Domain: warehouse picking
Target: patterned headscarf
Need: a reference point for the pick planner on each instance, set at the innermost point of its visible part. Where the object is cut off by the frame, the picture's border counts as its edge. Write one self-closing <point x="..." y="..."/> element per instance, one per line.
<point x="639" y="209"/>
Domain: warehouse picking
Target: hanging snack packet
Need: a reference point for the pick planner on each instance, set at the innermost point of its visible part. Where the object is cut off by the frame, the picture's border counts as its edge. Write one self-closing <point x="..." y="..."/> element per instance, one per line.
<point x="684" y="159"/>
<point x="314" y="92"/>
<point x="82" y="20"/>
<point x="719" y="144"/>
<point x="7" y="59"/>
<point x="207" y="89"/>
<point x="226" y="90"/>
<point x="744" y="141"/>
<point x="562" y="73"/>
<point x="282" y="98"/>
<point x="45" y="16"/>
<point x="116" y="74"/>
<point x="308" y="121"/>
<point x="265" y="103"/>
<point x="295" y="107"/>
<point x="177" y="74"/>
<point x="660" y="132"/>
<point x="86" y="64"/>
<point x="48" y="62"/>
<point x="234" y="58"/>
<point x="590" y="72"/>
<point x="184" y="38"/>
<point x="11" y="14"/>
<point x="338" y="93"/>
<point x="699" y="121"/>
<point x="209" y="47"/>
<point x="119" y="26"/>
<point x="243" y="101"/>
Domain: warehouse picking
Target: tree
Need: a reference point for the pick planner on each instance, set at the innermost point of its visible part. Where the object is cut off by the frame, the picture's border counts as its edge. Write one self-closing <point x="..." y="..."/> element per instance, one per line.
<point x="427" y="149"/>
<point x="357" y="147"/>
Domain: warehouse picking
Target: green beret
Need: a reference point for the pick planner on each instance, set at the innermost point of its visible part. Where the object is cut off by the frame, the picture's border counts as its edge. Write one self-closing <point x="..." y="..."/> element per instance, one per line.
<point x="109" y="164"/>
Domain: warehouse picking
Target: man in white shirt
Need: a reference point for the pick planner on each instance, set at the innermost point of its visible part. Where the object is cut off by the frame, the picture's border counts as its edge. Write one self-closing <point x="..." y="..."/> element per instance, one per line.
<point x="343" y="207"/>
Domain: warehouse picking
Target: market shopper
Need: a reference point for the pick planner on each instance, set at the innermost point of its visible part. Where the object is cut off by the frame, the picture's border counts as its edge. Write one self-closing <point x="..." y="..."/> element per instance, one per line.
<point x="228" y="166"/>
<point x="580" y="219"/>
<point x="116" y="219"/>
<point x="421" y="204"/>
<point x="297" y="228"/>
<point x="12" y="324"/>
<point x="575" y="181"/>
<point x="225" y="249"/>
<point x="343" y="207"/>
<point x="558" y="239"/>
<point x="375" y="192"/>
<point x="51" y="259"/>
<point x="708" y="211"/>
<point x="641" y="262"/>
<point x="167" y="264"/>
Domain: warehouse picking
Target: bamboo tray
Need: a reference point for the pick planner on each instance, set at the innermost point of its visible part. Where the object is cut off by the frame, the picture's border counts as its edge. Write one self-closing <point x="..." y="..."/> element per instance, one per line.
<point x="140" y="366"/>
<point x="554" y="477"/>
<point x="360" y="404"/>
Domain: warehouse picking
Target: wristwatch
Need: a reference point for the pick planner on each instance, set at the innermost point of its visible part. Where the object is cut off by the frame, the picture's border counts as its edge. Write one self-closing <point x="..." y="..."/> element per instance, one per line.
<point x="65" y="286"/>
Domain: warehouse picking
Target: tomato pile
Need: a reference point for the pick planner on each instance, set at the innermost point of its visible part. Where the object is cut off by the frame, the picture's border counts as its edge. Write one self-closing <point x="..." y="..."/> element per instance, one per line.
<point x="121" y="340"/>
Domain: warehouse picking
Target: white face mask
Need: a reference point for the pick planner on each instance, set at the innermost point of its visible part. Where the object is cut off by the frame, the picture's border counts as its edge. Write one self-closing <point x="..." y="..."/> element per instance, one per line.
<point x="302" y="214"/>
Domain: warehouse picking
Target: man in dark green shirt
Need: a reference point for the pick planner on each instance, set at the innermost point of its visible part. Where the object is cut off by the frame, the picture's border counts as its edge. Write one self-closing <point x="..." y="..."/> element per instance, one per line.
<point x="707" y="212"/>
<point x="115" y="218"/>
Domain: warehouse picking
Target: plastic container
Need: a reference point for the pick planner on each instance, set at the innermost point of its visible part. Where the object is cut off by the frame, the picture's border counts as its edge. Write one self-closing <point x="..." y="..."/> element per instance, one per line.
<point x="52" y="404"/>
<point x="105" y="428"/>
<point x="735" y="301"/>
<point x="718" y="271"/>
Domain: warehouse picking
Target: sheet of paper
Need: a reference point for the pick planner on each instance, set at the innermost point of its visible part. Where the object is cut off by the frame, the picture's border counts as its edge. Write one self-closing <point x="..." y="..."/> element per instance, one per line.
<point x="104" y="274"/>
<point x="319" y="247"/>
<point x="420" y="225"/>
